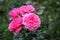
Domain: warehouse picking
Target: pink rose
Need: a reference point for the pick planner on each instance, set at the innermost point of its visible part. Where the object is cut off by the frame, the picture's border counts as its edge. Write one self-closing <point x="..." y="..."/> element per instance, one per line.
<point x="14" y="12"/>
<point x="31" y="21"/>
<point x="26" y="9"/>
<point x="15" y="25"/>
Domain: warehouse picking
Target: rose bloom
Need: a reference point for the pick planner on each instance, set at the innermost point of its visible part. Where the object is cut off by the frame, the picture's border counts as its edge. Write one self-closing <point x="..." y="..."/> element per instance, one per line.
<point x="14" y="12"/>
<point x="26" y="9"/>
<point x="15" y="25"/>
<point x="31" y="21"/>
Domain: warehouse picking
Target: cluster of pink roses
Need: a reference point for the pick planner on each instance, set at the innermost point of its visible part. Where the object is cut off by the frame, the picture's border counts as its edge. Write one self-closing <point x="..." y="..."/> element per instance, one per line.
<point x="23" y="16"/>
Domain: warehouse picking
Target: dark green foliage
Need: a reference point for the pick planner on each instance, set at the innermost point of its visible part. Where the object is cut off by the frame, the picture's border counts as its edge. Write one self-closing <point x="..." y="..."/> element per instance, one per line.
<point x="50" y="27"/>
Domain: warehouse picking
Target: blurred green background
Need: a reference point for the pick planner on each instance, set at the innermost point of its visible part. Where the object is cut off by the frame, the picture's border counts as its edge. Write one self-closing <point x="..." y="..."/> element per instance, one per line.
<point x="50" y="27"/>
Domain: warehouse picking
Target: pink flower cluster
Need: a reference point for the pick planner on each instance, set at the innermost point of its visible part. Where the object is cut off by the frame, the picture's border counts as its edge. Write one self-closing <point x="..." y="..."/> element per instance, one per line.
<point x="23" y="16"/>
